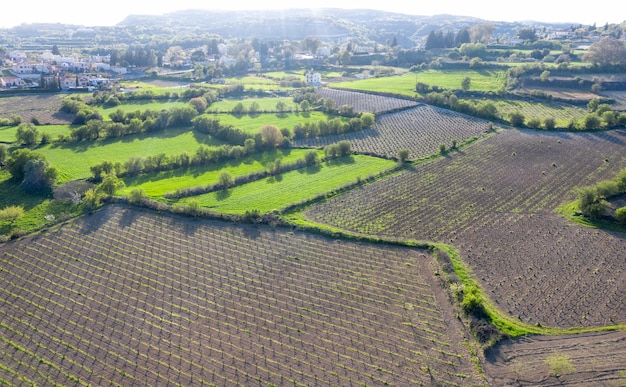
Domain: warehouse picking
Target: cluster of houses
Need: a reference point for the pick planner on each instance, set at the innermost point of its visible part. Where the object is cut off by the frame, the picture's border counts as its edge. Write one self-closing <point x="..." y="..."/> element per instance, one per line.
<point x="57" y="71"/>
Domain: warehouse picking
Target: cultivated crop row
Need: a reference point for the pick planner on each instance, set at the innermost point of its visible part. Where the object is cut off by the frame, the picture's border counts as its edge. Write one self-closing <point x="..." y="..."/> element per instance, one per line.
<point x="125" y="297"/>
<point x="470" y="198"/>
<point x="421" y="130"/>
<point x="363" y="102"/>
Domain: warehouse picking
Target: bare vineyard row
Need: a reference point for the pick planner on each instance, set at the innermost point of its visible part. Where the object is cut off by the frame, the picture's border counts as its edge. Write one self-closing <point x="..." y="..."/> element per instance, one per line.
<point x="219" y="305"/>
<point x="363" y="102"/>
<point x="486" y="200"/>
<point x="421" y="130"/>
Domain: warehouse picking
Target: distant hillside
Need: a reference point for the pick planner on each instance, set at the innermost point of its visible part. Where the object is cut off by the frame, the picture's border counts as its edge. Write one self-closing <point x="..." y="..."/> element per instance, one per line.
<point x="361" y="25"/>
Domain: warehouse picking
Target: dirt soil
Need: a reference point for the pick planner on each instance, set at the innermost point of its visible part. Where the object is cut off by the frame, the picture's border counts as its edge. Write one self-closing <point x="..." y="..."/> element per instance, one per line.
<point x="591" y="359"/>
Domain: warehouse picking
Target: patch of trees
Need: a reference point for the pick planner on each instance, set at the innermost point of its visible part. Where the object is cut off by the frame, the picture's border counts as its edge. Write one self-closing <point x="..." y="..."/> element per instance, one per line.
<point x="31" y="171"/>
<point x="592" y="201"/>
<point x="608" y="52"/>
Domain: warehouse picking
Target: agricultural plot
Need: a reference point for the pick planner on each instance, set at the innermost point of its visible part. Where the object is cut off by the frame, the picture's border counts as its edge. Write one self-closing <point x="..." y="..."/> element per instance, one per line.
<point x="574" y="360"/>
<point x="264" y="104"/>
<point x="251" y="123"/>
<point x="562" y="113"/>
<point x="42" y="107"/>
<point x="620" y="99"/>
<point x="74" y="159"/>
<point x="8" y="134"/>
<point x="133" y="106"/>
<point x="126" y="297"/>
<point x="420" y="130"/>
<point x="288" y="188"/>
<point x="496" y="202"/>
<point x="160" y="183"/>
<point x="363" y="102"/>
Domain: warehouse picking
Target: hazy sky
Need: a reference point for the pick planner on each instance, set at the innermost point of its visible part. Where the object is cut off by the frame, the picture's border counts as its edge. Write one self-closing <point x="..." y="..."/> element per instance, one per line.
<point x="110" y="12"/>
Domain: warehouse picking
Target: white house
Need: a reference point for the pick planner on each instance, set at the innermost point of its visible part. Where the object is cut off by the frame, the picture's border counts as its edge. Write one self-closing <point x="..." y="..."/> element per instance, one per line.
<point x="10" y="82"/>
<point x="323" y="52"/>
<point x="313" y="78"/>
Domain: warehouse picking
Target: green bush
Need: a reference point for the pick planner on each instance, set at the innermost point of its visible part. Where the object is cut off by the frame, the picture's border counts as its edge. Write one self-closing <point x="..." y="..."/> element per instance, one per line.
<point x="11" y="213"/>
<point x="620" y="215"/>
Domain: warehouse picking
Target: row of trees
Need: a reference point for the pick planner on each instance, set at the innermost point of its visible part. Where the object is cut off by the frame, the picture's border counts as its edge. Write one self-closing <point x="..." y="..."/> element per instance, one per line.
<point x="333" y="126"/>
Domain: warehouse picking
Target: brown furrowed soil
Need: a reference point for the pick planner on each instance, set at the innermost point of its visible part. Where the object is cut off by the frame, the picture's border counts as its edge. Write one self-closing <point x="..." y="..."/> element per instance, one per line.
<point x="43" y="107"/>
<point x="421" y="130"/>
<point x="590" y="359"/>
<point x="127" y="297"/>
<point x="496" y="202"/>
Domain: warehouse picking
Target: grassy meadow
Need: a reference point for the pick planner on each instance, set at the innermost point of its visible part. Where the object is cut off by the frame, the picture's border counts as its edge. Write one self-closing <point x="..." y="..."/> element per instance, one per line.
<point x="158" y="184"/>
<point x="265" y="104"/>
<point x="74" y="159"/>
<point x="277" y="192"/>
<point x="8" y="134"/>
<point x="251" y="123"/>
<point x="481" y="80"/>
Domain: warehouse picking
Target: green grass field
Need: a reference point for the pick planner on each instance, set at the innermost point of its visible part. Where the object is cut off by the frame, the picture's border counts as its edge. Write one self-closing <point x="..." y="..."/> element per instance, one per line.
<point x="7" y="134"/>
<point x="267" y="104"/>
<point x="158" y="184"/>
<point x="74" y="159"/>
<point x="481" y="80"/>
<point x="252" y="123"/>
<point x="278" y="192"/>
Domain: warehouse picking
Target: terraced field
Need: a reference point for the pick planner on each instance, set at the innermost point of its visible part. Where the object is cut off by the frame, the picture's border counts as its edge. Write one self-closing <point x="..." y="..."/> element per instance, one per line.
<point x="126" y="297"/>
<point x="496" y="202"/>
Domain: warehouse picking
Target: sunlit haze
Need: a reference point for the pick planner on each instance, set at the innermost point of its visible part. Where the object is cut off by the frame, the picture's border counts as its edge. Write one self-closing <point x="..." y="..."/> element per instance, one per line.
<point x="111" y="12"/>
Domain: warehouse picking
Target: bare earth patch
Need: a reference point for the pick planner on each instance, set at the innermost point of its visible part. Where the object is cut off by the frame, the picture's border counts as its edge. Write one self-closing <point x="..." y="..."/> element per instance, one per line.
<point x="591" y="359"/>
<point x="43" y="107"/>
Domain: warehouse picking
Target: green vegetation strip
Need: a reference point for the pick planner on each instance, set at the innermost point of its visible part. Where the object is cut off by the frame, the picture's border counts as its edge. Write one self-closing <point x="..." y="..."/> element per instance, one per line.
<point x="155" y="185"/>
<point x="276" y="192"/>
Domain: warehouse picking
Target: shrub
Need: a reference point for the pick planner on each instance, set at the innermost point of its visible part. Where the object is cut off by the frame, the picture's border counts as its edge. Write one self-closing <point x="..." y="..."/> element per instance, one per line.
<point x="311" y="158"/>
<point x="472" y="303"/>
<point x="516" y="119"/>
<point x="137" y="196"/>
<point x="534" y="123"/>
<point x="27" y="134"/>
<point x="620" y="215"/>
<point x="403" y="155"/>
<point x="225" y="180"/>
<point x="549" y="123"/>
<point x="11" y="213"/>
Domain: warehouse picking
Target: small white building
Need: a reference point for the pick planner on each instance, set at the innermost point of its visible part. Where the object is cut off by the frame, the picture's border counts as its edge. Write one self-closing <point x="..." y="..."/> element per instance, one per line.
<point x="313" y="78"/>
